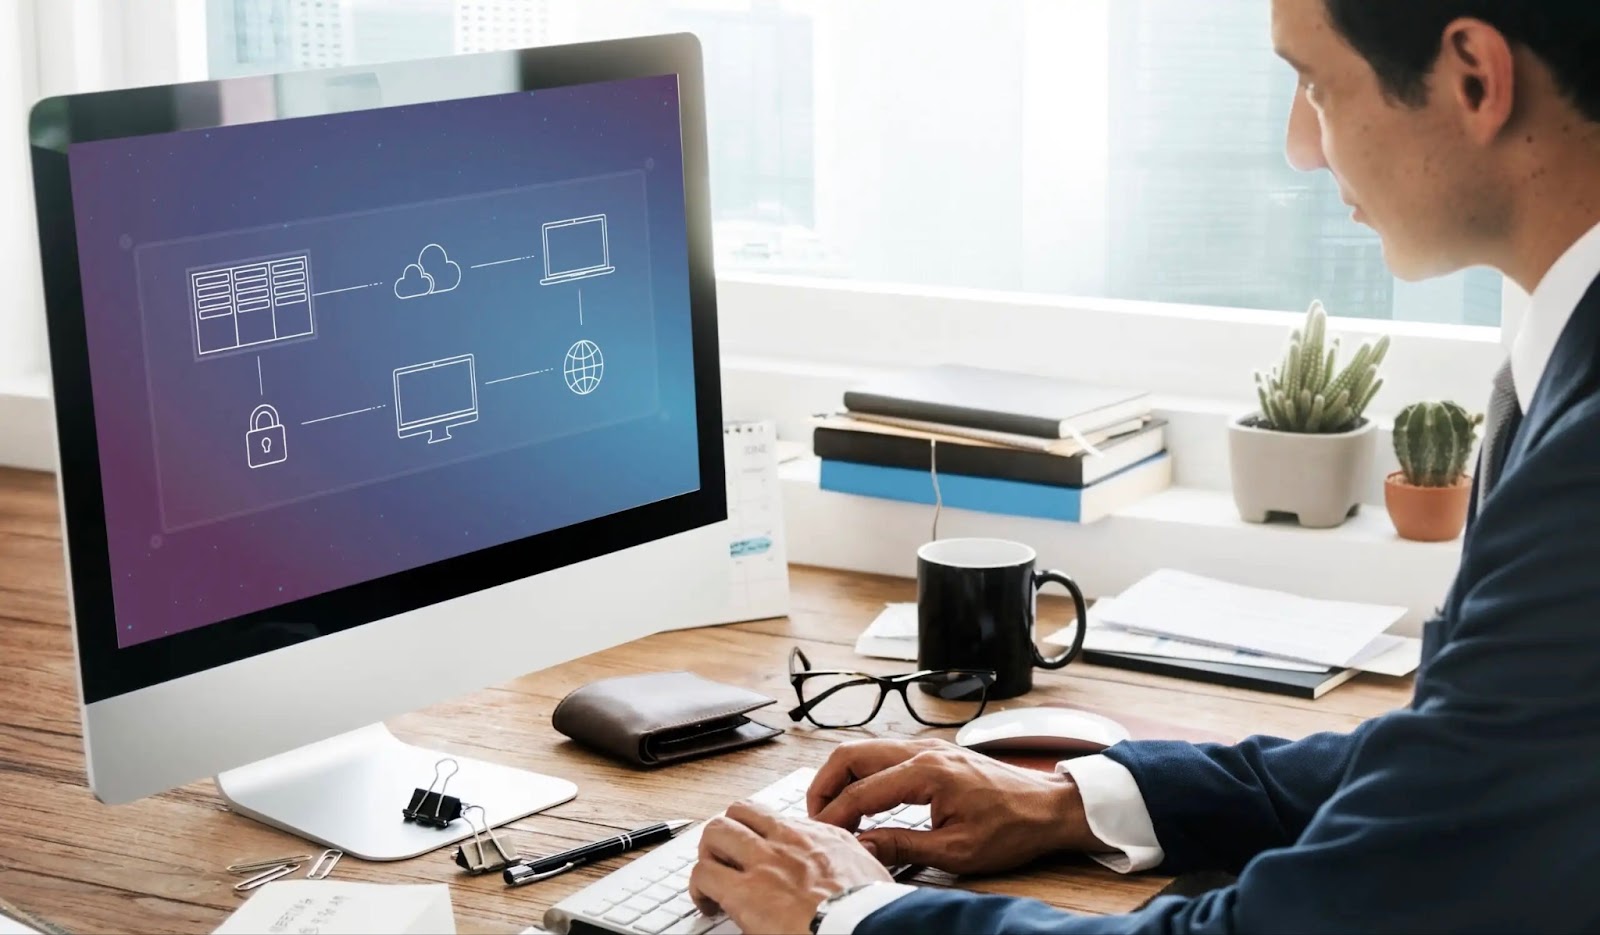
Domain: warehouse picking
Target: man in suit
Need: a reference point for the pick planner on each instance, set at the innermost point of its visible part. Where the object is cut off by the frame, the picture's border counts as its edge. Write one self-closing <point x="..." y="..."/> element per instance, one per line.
<point x="1465" y="132"/>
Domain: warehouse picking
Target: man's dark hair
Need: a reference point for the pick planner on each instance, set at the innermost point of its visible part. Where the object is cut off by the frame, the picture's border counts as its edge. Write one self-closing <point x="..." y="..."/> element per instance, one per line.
<point x="1401" y="39"/>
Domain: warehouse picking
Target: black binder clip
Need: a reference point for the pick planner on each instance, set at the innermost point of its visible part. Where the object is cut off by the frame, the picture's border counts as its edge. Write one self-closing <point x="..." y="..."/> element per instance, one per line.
<point x="475" y="857"/>
<point x="432" y="807"/>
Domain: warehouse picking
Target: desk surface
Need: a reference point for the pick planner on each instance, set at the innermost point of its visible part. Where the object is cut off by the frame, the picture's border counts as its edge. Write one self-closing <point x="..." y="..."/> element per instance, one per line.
<point x="157" y="865"/>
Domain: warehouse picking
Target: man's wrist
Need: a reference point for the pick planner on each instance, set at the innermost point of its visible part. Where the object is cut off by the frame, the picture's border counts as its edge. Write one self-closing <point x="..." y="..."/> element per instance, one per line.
<point x="1071" y="822"/>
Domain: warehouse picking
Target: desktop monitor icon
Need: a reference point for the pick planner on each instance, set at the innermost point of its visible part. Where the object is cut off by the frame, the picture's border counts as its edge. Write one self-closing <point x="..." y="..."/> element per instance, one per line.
<point x="432" y="398"/>
<point x="576" y="248"/>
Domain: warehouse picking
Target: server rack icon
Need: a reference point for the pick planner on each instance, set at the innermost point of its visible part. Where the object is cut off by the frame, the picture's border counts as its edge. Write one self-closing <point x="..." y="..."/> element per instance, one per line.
<point x="248" y="305"/>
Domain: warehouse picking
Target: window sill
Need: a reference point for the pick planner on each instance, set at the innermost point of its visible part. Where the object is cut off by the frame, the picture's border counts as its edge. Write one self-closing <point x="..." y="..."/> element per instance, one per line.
<point x="1192" y="529"/>
<point x="28" y="440"/>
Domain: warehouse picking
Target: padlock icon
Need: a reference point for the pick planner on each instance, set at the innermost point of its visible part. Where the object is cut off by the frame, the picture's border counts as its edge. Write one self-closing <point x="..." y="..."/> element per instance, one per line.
<point x="264" y="443"/>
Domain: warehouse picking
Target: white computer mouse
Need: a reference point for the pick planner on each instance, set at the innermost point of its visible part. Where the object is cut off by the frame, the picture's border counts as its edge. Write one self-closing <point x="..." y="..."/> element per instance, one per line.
<point x="1044" y="730"/>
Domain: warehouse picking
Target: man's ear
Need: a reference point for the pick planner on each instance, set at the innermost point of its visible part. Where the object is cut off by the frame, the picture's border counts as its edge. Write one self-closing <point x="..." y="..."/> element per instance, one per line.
<point x="1477" y="71"/>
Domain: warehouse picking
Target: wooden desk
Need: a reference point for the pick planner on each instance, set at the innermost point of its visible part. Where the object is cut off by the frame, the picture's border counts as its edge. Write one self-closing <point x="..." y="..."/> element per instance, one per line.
<point x="157" y="865"/>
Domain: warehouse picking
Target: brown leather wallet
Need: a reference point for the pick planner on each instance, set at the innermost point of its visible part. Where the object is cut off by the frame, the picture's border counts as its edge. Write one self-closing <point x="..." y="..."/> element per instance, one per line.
<point x="662" y="717"/>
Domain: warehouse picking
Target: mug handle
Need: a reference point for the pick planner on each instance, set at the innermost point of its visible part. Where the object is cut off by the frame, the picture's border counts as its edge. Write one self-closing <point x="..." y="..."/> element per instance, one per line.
<point x="1041" y="578"/>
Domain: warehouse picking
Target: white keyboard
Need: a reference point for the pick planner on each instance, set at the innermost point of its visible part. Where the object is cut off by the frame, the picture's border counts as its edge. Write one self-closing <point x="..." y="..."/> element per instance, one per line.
<point x="650" y="896"/>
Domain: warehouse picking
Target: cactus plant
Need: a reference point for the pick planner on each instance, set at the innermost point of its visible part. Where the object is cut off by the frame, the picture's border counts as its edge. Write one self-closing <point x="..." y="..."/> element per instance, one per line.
<point x="1304" y="394"/>
<point x="1433" y="441"/>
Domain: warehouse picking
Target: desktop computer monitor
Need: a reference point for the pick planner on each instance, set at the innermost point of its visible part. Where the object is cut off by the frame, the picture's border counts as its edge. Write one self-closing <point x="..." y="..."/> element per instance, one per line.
<point x="430" y="398"/>
<point x="334" y="444"/>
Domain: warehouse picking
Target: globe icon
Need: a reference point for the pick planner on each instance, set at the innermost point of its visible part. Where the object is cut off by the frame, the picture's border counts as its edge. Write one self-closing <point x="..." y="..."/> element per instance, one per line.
<point x="584" y="367"/>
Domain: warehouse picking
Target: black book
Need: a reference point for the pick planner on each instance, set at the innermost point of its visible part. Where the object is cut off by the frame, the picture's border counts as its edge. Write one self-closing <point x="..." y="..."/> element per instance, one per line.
<point x="890" y="449"/>
<point x="998" y="400"/>
<point x="1310" y="685"/>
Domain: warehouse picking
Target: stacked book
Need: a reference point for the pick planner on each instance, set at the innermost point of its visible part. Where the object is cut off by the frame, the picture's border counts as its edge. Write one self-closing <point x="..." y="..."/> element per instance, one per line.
<point x="995" y="442"/>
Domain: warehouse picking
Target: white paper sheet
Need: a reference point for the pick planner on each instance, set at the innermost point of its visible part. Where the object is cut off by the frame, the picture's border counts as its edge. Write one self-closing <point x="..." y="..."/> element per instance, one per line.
<point x="337" y="907"/>
<point x="1273" y="623"/>
<point x="892" y="635"/>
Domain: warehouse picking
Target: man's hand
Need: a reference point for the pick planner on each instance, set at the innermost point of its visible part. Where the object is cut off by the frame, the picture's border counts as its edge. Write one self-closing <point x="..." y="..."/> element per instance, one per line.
<point x="769" y="874"/>
<point x="988" y="816"/>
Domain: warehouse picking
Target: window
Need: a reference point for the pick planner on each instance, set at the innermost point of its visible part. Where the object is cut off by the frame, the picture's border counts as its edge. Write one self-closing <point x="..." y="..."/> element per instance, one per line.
<point x="1126" y="149"/>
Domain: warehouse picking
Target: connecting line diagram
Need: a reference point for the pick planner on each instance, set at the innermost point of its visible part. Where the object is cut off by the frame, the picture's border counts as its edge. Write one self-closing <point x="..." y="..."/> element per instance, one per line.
<point x="266" y="305"/>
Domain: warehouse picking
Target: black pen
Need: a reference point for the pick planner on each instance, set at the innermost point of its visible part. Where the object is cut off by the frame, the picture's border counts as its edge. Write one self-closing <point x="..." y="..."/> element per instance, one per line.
<point x="545" y="867"/>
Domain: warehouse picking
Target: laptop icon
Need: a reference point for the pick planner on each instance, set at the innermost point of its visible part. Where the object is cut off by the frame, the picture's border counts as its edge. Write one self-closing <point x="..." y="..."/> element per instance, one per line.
<point x="576" y="248"/>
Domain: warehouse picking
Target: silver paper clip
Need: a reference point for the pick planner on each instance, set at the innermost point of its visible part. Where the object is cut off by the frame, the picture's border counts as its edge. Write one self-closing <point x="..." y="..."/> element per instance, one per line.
<point x="473" y="858"/>
<point x="248" y="866"/>
<point x="282" y="870"/>
<point x="324" y="864"/>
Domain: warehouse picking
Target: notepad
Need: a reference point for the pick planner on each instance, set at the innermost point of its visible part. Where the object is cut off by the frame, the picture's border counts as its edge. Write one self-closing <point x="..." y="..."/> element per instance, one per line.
<point x="1273" y="623"/>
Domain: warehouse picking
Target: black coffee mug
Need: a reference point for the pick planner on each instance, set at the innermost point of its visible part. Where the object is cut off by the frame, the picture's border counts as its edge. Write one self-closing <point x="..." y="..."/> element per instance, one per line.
<point x="975" y="610"/>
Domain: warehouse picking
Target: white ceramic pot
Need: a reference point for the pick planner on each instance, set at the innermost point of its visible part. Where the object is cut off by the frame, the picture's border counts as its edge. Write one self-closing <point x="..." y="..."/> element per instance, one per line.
<point x="1318" y="479"/>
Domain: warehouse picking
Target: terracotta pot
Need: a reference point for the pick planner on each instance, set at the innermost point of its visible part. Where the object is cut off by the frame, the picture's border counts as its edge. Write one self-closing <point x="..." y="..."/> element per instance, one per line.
<point x="1427" y="514"/>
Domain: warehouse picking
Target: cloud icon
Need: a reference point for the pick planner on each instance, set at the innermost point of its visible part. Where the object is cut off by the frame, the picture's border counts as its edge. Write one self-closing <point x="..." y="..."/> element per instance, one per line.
<point x="412" y="283"/>
<point x="433" y="272"/>
<point x="445" y="273"/>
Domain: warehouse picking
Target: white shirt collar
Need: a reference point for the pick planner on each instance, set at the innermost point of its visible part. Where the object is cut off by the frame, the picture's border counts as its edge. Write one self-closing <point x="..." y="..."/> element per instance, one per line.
<point x="1554" y="301"/>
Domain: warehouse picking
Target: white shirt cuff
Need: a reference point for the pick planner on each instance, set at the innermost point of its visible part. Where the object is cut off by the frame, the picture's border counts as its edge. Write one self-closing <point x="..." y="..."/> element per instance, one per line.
<point x="1116" y="812"/>
<point x="852" y="910"/>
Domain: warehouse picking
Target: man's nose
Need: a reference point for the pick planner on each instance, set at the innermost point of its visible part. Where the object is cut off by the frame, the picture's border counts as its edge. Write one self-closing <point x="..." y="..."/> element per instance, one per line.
<point x="1304" y="144"/>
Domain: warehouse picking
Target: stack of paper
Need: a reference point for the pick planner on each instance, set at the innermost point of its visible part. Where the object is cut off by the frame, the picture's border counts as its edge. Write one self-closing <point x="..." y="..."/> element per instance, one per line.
<point x="1183" y="616"/>
<point x="335" y="907"/>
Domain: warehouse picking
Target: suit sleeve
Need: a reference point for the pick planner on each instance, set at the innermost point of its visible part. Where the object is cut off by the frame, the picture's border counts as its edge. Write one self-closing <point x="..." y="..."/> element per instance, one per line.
<point x="1215" y="807"/>
<point x="1475" y="808"/>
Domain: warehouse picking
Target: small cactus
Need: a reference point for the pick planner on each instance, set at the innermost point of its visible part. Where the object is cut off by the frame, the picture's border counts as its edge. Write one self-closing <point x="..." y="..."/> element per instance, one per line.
<point x="1305" y="394"/>
<point x="1433" y="441"/>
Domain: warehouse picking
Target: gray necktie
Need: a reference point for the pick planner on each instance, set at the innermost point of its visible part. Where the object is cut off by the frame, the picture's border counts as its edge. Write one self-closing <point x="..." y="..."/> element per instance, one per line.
<point x="1499" y="424"/>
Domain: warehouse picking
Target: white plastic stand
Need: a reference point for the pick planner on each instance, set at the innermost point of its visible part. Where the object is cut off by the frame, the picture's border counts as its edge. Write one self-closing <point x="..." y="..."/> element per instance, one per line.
<point x="347" y="792"/>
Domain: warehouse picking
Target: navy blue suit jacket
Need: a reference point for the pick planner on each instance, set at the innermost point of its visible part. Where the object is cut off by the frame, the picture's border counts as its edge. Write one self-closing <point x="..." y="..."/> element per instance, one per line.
<point x="1476" y="808"/>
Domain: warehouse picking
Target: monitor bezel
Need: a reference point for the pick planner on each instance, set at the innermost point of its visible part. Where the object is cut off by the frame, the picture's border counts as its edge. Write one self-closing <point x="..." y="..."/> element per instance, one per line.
<point x="107" y="670"/>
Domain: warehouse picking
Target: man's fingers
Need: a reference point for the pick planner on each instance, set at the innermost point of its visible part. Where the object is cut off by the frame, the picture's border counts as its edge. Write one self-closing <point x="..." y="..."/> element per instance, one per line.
<point x="757" y="818"/>
<point x="895" y="846"/>
<point x="910" y="782"/>
<point x="726" y="840"/>
<point x="711" y="884"/>
<point x="850" y="762"/>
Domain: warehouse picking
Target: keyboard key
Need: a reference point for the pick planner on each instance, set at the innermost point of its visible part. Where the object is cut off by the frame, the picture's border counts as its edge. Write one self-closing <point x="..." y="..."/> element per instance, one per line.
<point x="641" y="905"/>
<point x="592" y="904"/>
<point x="622" y="915"/>
<point x="680" y="906"/>
<point x="658" y="921"/>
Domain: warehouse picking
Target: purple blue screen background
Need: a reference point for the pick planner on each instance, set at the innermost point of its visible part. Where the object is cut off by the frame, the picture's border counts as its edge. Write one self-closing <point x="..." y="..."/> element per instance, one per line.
<point x="196" y="536"/>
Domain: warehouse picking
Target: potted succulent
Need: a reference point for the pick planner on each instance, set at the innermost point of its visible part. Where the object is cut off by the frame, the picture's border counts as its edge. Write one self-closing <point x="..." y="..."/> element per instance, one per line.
<point x="1308" y="450"/>
<point x="1427" y="497"/>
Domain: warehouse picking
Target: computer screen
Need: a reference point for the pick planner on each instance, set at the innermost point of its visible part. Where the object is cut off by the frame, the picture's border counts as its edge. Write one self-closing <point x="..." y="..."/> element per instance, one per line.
<point x="328" y="349"/>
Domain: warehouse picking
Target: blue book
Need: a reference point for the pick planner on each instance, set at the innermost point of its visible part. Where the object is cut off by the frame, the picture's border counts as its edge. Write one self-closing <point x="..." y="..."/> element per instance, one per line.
<point x="996" y="495"/>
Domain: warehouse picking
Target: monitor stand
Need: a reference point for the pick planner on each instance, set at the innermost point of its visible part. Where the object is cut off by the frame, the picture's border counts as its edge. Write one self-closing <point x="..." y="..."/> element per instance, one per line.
<point x="348" y="792"/>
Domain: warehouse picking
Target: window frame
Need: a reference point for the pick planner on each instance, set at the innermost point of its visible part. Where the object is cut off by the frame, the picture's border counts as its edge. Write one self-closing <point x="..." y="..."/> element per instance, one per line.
<point x="1148" y="345"/>
<point x="82" y="44"/>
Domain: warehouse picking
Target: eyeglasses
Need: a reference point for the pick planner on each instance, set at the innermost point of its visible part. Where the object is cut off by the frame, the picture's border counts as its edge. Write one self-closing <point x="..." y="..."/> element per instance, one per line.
<point x="839" y="698"/>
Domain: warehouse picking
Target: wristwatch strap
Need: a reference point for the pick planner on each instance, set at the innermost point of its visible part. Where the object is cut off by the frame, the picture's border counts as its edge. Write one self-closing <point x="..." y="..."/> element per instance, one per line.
<point x="827" y="904"/>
